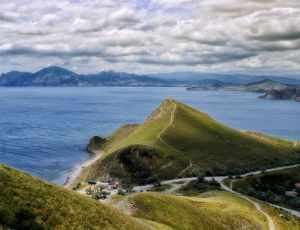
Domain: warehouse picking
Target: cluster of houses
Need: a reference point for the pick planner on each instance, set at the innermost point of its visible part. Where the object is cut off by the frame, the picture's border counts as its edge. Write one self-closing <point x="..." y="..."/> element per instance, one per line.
<point x="101" y="190"/>
<point x="293" y="193"/>
<point x="108" y="185"/>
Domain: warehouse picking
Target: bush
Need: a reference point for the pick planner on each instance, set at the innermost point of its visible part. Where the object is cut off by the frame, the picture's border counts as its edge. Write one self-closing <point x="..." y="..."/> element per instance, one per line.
<point x="208" y="173"/>
<point x="251" y="192"/>
<point x="121" y="192"/>
<point x="88" y="191"/>
<point x="7" y="217"/>
<point x="100" y="194"/>
<point x="77" y="186"/>
<point x="200" y="186"/>
<point x="200" y="178"/>
<point x="214" y="183"/>
<point x="25" y="219"/>
<point x="127" y="186"/>
<point x="295" y="202"/>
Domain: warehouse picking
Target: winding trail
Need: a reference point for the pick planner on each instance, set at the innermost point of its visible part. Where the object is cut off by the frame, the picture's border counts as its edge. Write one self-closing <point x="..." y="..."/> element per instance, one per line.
<point x="219" y="179"/>
<point x="257" y="206"/>
<point x="170" y="123"/>
<point x="171" y="147"/>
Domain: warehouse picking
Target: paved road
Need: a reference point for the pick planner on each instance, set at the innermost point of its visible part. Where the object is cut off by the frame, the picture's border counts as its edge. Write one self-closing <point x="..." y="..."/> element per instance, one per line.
<point x="257" y="206"/>
<point x="220" y="179"/>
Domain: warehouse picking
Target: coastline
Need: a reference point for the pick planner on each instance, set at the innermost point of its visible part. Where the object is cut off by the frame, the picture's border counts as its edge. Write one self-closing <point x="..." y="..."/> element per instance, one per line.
<point x="78" y="169"/>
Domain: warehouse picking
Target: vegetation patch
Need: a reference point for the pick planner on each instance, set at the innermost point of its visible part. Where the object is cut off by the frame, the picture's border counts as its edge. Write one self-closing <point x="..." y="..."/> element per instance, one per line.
<point x="200" y="185"/>
<point x="278" y="187"/>
<point x="96" y="143"/>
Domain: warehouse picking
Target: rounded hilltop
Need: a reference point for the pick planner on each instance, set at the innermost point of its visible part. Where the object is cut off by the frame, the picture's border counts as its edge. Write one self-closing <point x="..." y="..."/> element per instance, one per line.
<point x="177" y="140"/>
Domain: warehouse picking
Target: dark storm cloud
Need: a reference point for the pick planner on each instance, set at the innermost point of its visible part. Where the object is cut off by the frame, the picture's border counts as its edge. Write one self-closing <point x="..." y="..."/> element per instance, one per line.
<point x="288" y="36"/>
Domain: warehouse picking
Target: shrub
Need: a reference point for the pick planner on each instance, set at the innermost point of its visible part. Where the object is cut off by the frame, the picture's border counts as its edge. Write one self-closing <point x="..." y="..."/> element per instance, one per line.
<point x="100" y="194"/>
<point x="88" y="191"/>
<point x="295" y="202"/>
<point x="121" y="192"/>
<point x="7" y="217"/>
<point x="201" y="186"/>
<point x="251" y="192"/>
<point x="200" y="178"/>
<point x="214" y="183"/>
<point x="25" y="219"/>
<point x="208" y="173"/>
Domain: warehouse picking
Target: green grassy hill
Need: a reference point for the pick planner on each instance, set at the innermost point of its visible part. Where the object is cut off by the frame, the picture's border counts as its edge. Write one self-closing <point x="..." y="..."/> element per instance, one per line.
<point x="177" y="141"/>
<point x="209" y="211"/>
<point x="30" y="203"/>
<point x="271" y="187"/>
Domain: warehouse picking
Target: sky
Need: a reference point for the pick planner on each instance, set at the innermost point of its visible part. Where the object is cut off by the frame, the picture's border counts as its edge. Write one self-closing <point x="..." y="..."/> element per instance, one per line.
<point x="150" y="36"/>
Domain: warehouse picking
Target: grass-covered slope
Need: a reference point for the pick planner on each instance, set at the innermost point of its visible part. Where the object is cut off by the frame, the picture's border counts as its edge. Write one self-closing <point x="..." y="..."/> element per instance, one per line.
<point x="30" y="203"/>
<point x="177" y="140"/>
<point x="209" y="211"/>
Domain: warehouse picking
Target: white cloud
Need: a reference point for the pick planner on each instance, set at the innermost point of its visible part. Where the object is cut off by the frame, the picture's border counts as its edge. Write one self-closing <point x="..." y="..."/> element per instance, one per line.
<point x="149" y="36"/>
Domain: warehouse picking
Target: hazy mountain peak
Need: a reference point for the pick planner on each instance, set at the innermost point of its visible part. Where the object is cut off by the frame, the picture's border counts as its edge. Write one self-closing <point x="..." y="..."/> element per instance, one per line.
<point x="55" y="70"/>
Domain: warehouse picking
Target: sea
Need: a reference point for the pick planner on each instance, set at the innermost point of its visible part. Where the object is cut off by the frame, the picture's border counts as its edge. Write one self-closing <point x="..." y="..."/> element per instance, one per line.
<point x="44" y="131"/>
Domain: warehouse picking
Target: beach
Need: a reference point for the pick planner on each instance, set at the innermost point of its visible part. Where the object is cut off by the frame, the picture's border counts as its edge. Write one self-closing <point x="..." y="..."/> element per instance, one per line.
<point x="77" y="170"/>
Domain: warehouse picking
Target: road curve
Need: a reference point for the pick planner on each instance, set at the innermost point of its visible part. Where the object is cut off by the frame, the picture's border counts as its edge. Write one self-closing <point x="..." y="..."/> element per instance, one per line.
<point x="220" y="179"/>
<point x="257" y="206"/>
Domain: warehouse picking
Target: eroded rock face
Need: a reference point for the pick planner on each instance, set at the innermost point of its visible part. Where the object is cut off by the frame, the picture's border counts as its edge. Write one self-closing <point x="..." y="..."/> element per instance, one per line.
<point x="291" y="93"/>
<point x="164" y="108"/>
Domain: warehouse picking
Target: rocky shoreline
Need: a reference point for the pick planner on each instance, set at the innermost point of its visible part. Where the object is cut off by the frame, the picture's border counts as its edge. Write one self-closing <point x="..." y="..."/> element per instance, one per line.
<point x="75" y="173"/>
<point x="290" y="93"/>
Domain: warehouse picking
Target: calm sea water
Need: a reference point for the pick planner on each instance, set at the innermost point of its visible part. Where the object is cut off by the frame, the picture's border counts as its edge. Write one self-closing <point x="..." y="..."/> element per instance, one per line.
<point x="42" y="130"/>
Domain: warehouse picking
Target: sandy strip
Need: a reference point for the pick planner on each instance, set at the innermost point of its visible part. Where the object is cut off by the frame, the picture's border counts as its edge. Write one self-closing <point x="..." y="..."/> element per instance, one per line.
<point x="77" y="170"/>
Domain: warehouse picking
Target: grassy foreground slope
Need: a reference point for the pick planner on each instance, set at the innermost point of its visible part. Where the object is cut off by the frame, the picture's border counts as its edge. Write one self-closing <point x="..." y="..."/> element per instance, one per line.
<point x="209" y="211"/>
<point x="177" y="140"/>
<point x="30" y="203"/>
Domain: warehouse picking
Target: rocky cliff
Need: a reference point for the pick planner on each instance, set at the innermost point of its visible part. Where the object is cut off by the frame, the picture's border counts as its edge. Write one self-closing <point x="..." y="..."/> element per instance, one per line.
<point x="290" y="93"/>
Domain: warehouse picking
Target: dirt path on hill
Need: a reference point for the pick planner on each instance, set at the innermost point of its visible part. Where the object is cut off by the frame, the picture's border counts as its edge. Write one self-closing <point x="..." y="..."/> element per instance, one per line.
<point x="170" y="123"/>
<point x="176" y="150"/>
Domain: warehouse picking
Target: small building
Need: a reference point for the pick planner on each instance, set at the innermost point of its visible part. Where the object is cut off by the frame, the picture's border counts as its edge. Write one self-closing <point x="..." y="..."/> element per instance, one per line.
<point x="113" y="185"/>
<point x="104" y="184"/>
<point x="93" y="182"/>
<point x="291" y="193"/>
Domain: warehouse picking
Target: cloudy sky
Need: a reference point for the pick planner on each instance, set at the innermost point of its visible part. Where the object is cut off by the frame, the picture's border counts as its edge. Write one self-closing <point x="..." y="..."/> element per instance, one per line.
<point x="143" y="36"/>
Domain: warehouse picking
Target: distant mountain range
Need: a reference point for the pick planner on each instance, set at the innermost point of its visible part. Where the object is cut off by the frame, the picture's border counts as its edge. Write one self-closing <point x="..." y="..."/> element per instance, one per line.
<point x="194" y="77"/>
<point x="259" y="87"/>
<point x="57" y="76"/>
